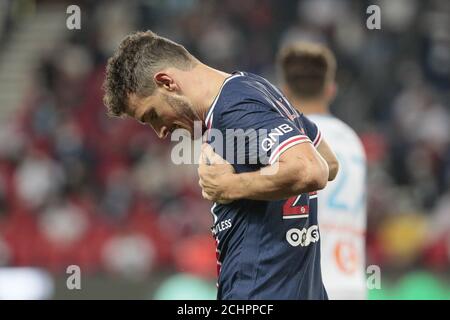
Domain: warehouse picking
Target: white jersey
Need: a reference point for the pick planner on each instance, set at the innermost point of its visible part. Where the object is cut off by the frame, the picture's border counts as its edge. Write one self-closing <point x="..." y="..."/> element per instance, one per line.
<point x="342" y="213"/>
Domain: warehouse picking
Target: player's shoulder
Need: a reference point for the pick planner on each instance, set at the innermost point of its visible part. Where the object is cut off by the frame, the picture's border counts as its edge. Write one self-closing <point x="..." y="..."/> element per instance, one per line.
<point x="243" y="90"/>
<point x="328" y="122"/>
<point x="336" y="131"/>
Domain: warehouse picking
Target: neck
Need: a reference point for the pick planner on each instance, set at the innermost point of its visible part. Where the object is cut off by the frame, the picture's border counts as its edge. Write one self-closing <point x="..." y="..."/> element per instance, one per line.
<point x="202" y="86"/>
<point x="313" y="106"/>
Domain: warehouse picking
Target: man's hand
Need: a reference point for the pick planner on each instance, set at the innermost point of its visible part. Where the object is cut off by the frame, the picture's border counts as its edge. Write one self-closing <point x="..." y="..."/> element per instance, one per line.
<point x="214" y="175"/>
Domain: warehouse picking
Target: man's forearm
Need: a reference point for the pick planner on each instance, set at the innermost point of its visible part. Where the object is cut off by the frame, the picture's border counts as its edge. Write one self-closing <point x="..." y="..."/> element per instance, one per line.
<point x="283" y="182"/>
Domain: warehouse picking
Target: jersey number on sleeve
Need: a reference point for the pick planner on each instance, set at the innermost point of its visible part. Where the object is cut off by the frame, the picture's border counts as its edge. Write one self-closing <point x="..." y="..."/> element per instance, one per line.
<point x="297" y="206"/>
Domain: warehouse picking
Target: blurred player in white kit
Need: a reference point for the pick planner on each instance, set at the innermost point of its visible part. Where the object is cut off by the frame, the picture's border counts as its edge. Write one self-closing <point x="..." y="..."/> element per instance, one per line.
<point x="308" y="75"/>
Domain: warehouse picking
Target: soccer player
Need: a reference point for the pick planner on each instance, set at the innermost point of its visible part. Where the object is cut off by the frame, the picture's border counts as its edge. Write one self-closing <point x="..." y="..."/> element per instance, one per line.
<point x="265" y="208"/>
<point x="308" y="72"/>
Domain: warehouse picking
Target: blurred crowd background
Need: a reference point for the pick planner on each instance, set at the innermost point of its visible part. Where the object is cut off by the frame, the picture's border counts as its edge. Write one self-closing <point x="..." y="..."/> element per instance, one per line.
<point x="79" y="188"/>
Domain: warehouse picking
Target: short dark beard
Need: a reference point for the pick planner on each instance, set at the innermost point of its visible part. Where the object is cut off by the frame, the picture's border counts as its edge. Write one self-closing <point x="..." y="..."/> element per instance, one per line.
<point x="184" y="110"/>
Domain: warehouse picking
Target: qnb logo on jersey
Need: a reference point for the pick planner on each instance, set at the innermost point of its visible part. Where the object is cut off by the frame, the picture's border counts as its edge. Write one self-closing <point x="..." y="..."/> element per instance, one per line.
<point x="304" y="237"/>
<point x="273" y="136"/>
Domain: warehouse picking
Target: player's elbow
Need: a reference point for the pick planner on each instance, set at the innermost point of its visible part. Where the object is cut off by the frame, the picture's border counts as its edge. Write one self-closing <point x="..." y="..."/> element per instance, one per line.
<point x="333" y="169"/>
<point x="320" y="176"/>
<point x="314" y="176"/>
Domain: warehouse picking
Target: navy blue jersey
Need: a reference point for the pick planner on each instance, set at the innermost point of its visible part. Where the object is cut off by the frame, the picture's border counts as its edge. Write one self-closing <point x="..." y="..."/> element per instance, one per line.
<point x="265" y="249"/>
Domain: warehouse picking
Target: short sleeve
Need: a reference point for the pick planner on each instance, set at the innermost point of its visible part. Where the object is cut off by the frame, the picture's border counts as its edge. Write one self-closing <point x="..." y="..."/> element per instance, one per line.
<point x="311" y="129"/>
<point x="260" y="134"/>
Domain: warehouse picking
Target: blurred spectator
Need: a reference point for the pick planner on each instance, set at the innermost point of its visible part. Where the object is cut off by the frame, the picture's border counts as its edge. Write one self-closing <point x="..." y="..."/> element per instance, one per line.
<point x="63" y="224"/>
<point x="130" y="255"/>
<point x="38" y="178"/>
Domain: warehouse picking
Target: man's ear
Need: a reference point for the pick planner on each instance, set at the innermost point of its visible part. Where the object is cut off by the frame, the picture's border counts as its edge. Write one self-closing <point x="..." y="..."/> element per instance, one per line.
<point x="331" y="91"/>
<point x="165" y="81"/>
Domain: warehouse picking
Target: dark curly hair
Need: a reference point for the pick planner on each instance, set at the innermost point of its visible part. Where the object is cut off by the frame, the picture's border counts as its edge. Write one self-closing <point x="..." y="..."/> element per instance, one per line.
<point x="132" y="67"/>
